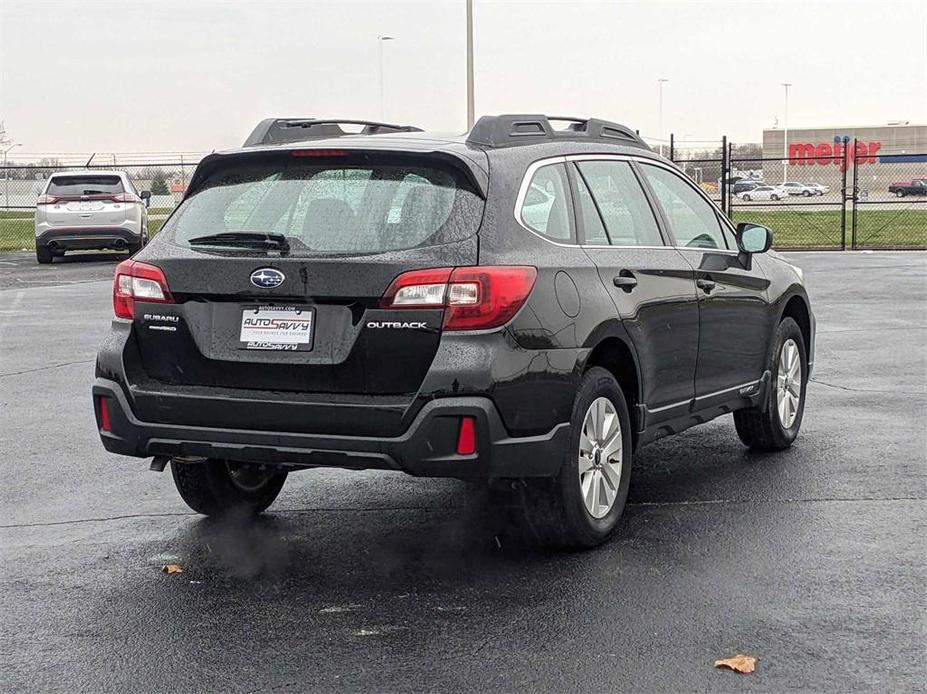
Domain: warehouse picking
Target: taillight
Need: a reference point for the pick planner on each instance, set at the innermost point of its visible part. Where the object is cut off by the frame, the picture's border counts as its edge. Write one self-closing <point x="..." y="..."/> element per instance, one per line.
<point x="474" y="298"/>
<point x="46" y="200"/>
<point x="125" y="197"/>
<point x="135" y="281"/>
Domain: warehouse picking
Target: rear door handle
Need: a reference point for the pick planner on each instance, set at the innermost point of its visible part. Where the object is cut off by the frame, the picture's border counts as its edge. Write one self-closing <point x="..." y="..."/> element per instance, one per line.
<point x="625" y="281"/>
<point x="705" y="285"/>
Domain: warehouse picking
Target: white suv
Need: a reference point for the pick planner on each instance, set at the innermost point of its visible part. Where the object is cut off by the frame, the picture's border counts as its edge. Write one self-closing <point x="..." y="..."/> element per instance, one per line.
<point x="89" y="209"/>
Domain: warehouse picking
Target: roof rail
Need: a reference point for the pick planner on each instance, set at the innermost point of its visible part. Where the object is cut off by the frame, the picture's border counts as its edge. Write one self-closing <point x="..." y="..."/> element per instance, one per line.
<point x="278" y="131"/>
<point x="527" y="129"/>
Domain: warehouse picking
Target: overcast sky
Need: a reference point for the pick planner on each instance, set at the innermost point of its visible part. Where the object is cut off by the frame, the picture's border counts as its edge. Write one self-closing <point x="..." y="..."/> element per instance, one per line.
<point x="194" y="75"/>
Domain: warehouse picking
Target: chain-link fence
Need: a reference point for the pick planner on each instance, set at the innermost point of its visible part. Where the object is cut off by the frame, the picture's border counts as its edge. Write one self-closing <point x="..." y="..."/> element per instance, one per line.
<point x="21" y="184"/>
<point x="850" y="200"/>
<point x="854" y="200"/>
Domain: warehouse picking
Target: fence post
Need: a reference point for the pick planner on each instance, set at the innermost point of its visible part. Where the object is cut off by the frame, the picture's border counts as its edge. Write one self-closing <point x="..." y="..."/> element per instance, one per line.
<point x="855" y="195"/>
<point x="843" y="199"/>
<point x="672" y="148"/>
<point x="725" y="174"/>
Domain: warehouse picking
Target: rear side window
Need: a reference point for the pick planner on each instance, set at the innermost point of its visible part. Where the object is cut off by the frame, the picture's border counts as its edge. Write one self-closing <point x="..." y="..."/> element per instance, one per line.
<point x="621" y="202"/>
<point x="334" y="206"/>
<point x="546" y="206"/>
<point x="692" y="219"/>
<point x="63" y="186"/>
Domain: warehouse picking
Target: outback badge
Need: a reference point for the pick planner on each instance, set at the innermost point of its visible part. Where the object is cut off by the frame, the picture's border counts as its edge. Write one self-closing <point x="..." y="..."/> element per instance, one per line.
<point x="267" y="278"/>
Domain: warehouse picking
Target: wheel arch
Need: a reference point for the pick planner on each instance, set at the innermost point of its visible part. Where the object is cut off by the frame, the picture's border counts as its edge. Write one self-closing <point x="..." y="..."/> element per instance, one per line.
<point x="796" y="307"/>
<point x="616" y="355"/>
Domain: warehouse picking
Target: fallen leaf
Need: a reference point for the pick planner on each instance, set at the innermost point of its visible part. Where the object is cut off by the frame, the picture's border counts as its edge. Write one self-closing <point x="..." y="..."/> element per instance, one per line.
<point x="743" y="664"/>
<point x="172" y="569"/>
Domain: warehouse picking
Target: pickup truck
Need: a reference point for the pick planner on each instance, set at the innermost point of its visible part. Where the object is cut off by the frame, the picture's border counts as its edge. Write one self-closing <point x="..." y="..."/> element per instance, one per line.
<point x="916" y="187"/>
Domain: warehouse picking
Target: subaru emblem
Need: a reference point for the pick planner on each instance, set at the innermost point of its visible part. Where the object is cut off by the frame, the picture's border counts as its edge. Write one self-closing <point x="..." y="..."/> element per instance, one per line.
<point x="267" y="278"/>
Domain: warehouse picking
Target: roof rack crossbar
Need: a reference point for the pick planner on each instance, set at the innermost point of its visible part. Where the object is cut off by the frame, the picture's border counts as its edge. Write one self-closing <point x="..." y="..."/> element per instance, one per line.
<point x="275" y="131"/>
<point x="521" y="129"/>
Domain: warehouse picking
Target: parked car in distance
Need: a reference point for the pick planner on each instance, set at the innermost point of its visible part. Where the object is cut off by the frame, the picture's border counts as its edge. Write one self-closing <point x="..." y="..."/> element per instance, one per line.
<point x="89" y="209"/>
<point x="744" y="185"/>
<point x="795" y="188"/>
<point x="918" y="186"/>
<point x="818" y="188"/>
<point x="764" y="193"/>
<point x="521" y="305"/>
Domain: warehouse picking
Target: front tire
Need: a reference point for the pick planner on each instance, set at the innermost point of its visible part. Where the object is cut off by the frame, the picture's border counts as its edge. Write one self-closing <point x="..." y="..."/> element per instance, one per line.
<point x="899" y="194"/>
<point x="774" y="425"/>
<point x="746" y="198"/>
<point x="774" y="197"/>
<point x="581" y="506"/>
<point x="219" y="487"/>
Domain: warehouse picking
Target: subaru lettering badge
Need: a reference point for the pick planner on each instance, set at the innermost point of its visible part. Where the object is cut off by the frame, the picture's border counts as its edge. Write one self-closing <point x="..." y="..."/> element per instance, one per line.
<point x="267" y="278"/>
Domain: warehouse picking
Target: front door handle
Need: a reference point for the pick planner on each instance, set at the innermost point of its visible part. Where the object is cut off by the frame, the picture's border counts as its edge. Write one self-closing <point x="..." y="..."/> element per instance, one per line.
<point x="705" y="285"/>
<point x="625" y="281"/>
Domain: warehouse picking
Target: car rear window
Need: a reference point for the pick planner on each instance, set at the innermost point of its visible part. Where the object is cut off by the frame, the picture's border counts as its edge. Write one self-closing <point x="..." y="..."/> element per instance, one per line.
<point x="356" y="205"/>
<point x="85" y="185"/>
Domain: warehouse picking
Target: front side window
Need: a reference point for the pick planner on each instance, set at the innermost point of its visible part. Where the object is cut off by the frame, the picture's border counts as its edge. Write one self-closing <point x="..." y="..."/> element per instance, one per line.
<point x="628" y="219"/>
<point x="333" y="207"/>
<point x="546" y="208"/>
<point x="692" y="219"/>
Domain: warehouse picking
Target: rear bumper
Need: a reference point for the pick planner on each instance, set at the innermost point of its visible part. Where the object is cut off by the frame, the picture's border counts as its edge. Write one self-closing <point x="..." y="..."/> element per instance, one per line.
<point x="427" y="448"/>
<point x="79" y="238"/>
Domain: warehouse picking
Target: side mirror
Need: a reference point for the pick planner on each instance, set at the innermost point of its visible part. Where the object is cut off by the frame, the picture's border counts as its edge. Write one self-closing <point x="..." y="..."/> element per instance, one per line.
<point x="754" y="238"/>
<point x="146" y="196"/>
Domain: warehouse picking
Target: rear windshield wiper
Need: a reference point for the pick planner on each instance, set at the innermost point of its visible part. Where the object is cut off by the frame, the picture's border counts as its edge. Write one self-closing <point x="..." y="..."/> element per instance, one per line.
<point x="243" y="239"/>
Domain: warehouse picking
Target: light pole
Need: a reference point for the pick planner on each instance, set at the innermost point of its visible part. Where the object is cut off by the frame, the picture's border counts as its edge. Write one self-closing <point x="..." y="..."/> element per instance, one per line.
<point x="6" y="175"/>
<point x="785" y="135"/>
<point x="380" y="40"/>
<point x="661" y="81"/>
<point x="470" y="109"/>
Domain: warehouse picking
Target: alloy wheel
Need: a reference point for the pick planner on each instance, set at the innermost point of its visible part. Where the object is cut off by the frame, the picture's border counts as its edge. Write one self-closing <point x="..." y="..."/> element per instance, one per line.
<point x="788" y="383"/>
<point x="600" y="457"/>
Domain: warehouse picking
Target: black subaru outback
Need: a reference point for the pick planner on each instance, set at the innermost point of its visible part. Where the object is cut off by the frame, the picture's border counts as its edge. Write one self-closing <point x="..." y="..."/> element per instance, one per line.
<point x="522" y="304"/>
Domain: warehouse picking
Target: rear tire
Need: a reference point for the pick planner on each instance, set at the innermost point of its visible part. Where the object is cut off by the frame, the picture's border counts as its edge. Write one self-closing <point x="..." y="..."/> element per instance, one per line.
<point x="762" y="428"/>
<point x="43" y="254"/>
<point x="581" y="506"/>
<point x="219" y="487"/>
<point x="774" y="197"/>
<point x="899" y="194"/>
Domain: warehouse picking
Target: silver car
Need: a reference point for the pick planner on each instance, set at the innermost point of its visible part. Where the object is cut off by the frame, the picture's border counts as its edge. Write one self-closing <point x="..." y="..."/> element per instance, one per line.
<point x="89" y="209"/>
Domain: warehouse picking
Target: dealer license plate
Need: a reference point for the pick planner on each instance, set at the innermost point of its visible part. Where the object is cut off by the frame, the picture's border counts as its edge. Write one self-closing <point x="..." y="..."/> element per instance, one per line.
<point x="277" y="328"/>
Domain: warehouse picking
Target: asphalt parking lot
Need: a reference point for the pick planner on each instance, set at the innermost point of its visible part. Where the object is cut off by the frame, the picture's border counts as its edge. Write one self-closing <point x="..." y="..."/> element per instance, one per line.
<point x="812" y="560"/>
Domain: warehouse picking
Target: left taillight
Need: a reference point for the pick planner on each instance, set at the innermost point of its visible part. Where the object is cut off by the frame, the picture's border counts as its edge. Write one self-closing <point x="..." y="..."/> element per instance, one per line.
<point x="473" y="298"/>
<point x="46" y="200"/>
<point x="135" y="281"/>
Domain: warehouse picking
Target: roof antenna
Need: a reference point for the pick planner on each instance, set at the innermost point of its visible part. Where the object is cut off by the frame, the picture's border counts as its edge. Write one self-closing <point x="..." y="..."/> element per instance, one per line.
<point x="87" y="165"/>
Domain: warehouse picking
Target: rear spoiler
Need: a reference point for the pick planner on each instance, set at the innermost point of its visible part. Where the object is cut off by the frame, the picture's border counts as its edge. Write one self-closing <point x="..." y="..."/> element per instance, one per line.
<point x="468" y="164"/>
<point x="281" y="131"/>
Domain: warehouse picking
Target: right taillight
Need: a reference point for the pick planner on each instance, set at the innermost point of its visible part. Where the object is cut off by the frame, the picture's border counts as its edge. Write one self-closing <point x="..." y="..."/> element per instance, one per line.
<point x="135" y="281"/>
<point x="473" y="298"/>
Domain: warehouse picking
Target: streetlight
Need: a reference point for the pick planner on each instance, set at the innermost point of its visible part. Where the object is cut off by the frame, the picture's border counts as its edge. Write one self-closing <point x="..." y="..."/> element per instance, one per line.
<point x="785" y="135"/>
<point x="660" y="81"/>
<point x="6" y="175"/>
<point x="380" y="40"/>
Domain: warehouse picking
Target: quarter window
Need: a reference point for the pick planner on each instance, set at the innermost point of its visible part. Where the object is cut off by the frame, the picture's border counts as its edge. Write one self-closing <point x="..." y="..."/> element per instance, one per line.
<point x="546" y="207"/>
<point x="692" y="219"/>
<point x="620" y="200"/>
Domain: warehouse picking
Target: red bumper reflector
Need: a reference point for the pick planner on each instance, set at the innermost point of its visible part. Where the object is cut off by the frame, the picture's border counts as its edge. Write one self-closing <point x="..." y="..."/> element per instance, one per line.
<point x="466" y="438"/>
<point x="104" y="414"/>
